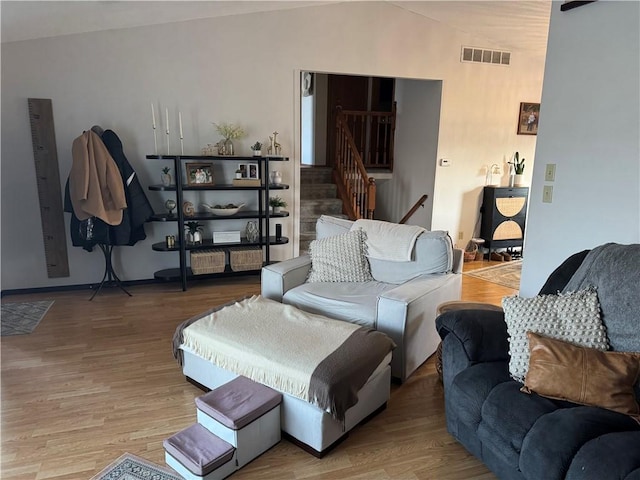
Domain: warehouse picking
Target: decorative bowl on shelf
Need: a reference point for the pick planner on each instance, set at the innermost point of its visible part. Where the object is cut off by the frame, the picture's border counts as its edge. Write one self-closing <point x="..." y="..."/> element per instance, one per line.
<point x="222" y="210"/>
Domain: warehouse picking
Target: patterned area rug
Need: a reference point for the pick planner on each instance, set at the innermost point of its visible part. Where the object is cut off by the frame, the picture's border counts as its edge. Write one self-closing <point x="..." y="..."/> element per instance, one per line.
<point x="131" y="467"/>
<point x="507" y="275"/>
<point x="21" y="318"/>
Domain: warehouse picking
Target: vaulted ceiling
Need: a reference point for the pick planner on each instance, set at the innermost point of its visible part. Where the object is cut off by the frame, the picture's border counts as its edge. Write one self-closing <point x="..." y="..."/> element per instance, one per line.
<point x="510" y="25"/>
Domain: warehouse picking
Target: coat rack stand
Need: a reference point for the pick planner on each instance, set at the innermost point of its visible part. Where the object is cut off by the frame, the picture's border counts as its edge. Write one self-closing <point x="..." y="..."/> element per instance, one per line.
<point x="109" y="278"/>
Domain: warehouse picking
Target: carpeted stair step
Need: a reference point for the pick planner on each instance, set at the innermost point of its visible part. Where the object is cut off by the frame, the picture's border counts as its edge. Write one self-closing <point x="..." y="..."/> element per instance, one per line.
<point x="310" y="175"/>
<point x="323" y="206"/>
<point x="317" y="190"/>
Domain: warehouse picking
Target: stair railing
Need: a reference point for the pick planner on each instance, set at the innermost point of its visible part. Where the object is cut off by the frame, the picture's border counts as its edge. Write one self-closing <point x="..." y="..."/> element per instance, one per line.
<point x="373" y="134"/>
<point x="416" y="206"/>
<point x="356" y="189"/>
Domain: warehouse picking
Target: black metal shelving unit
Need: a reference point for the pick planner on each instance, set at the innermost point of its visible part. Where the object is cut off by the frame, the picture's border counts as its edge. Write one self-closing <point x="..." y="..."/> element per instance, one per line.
<point x="265" y="240"/>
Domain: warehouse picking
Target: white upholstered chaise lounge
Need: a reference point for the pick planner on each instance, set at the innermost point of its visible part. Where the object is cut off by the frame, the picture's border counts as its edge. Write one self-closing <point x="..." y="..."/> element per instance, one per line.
<point x="401" y="301"/>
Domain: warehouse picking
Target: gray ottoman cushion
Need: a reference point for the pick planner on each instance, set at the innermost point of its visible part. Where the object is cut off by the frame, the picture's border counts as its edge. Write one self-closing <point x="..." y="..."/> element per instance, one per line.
<point x="199" y="450"/>
<point x="238" y="402"/>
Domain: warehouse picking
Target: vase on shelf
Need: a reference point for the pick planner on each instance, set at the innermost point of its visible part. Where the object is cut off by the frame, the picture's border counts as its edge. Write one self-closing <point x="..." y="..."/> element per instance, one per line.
<point x="277" y="209"/>
<point x="518" y="180"/>
<point x="252" y="232"/>
<point x="228" y="147"/>
<point x="276" y="177"/>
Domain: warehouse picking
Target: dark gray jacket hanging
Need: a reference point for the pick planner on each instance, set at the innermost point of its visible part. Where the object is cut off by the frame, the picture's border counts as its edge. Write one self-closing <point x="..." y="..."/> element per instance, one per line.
<point x="139" y="210"/>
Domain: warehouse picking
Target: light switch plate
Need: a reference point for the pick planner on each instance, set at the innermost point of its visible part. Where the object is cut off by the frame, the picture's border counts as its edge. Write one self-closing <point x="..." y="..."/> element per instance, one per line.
<point x="547" y="194"/>
<point x="550" y="172"/>
<point x="445" y="162"/>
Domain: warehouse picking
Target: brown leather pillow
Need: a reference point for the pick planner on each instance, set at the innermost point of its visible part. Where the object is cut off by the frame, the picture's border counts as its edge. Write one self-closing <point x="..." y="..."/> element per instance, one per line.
<point x="582" y="375"/>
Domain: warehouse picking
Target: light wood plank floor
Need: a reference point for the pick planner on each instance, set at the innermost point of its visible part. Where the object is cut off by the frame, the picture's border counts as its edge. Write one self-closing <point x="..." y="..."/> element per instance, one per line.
<point x="97" y="379"/>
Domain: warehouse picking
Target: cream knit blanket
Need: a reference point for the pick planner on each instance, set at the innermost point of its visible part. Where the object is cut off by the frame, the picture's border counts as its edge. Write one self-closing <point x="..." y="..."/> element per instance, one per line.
<point x="274" y="344"/>
<point x="311" y="357"/>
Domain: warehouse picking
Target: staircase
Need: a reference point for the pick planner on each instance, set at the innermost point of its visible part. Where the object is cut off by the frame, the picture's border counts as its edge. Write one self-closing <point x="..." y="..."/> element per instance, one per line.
<point x="317" y="197"/>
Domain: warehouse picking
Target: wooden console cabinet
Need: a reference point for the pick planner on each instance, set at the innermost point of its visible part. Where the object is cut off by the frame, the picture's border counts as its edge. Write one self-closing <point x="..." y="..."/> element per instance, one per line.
<point x="504" y="214"/>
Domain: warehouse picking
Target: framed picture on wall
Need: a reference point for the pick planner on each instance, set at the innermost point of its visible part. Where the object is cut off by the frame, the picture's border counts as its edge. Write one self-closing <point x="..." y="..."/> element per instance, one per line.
<point x="528" y="118"/>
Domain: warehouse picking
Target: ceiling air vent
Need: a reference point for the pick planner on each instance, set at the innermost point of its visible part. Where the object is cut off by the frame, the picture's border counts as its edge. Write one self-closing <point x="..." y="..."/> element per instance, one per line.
<point x="481" y="55"/>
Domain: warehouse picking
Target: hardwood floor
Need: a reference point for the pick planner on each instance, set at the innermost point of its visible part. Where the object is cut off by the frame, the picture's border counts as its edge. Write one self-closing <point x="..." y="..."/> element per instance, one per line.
<point x="97" y="379"/>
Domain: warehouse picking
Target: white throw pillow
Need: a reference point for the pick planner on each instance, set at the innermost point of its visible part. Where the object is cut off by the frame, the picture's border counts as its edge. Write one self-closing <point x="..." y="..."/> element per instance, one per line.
<point x="341" y="258"/>
<point x="572" y="317"/>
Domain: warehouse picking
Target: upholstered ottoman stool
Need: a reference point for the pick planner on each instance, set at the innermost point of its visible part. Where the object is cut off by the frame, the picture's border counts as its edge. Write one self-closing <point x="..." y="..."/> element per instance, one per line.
<point x="245" y="414"/>
<point x="458" y="305"/>
<point x="196" y="453"/>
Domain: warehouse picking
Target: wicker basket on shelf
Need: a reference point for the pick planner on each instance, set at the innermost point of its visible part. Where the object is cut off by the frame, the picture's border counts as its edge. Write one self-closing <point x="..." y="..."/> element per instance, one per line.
<point x="245" y="258"/>
<point x="207" y="261"/>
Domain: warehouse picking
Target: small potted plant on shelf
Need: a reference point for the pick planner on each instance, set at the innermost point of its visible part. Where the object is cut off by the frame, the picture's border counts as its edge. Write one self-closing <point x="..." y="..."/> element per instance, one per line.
<point x="277" y="204"/>
<point x="257" y="149"/>
<point x="193" y="232"/>
<point x="518" y="168"/>
<point x="166" y="176"/>
<point x="238" y="173"/>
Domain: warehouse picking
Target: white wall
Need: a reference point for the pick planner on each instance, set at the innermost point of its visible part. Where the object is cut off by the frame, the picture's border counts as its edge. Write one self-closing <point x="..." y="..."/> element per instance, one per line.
<point x="242" y="69"/>
<point x="416" y="146"/>
<point x="589" y="125"/>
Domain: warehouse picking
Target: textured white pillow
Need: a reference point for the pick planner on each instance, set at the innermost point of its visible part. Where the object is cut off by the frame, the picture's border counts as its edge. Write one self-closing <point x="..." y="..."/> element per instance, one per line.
<point x="572" y="317"/>
<point x="340" y="258"/>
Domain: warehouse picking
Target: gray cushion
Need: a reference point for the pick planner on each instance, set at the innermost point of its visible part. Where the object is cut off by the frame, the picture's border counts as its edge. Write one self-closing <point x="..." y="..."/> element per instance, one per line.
<point x="572" y="317"/>
<point x="432" y="253"/>
<point x="340" y="258"/>
<point x="327" y="226"/>
<point x="352" y="302"/>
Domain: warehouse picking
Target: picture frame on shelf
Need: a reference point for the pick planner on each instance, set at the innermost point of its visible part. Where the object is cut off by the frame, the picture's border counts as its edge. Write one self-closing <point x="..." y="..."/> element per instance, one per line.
<point x="254" y="171"/>
<point x="244" y="170"/>
<point x="199" y="174"/>
<point x="528" y="118"/>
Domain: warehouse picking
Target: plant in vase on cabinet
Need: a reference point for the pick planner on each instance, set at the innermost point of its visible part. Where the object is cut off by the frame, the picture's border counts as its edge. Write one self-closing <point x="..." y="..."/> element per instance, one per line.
<point x="518" y="170"/>
<point x="257" y="149"/>
<point x="277" y="204"/>
<point x="193" y="232"/>
<point x="229" y="132"/>
<point x="166" y="176"/>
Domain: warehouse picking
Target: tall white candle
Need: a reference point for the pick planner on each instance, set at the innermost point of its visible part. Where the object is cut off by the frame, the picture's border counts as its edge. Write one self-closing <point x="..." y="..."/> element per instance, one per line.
<point x="180" y="122"/>
<point x="153" y="117"/>
<point x="166" y="111"/>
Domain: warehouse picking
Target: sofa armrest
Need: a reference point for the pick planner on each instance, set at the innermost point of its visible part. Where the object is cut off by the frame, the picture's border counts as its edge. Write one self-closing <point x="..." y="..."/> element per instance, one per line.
<point x="482" y="334"/>
<point x="458" y="260"/>
<point x="470" y="337"/>
<point x="407" y="314"/>
<point x="278" y="278"/>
